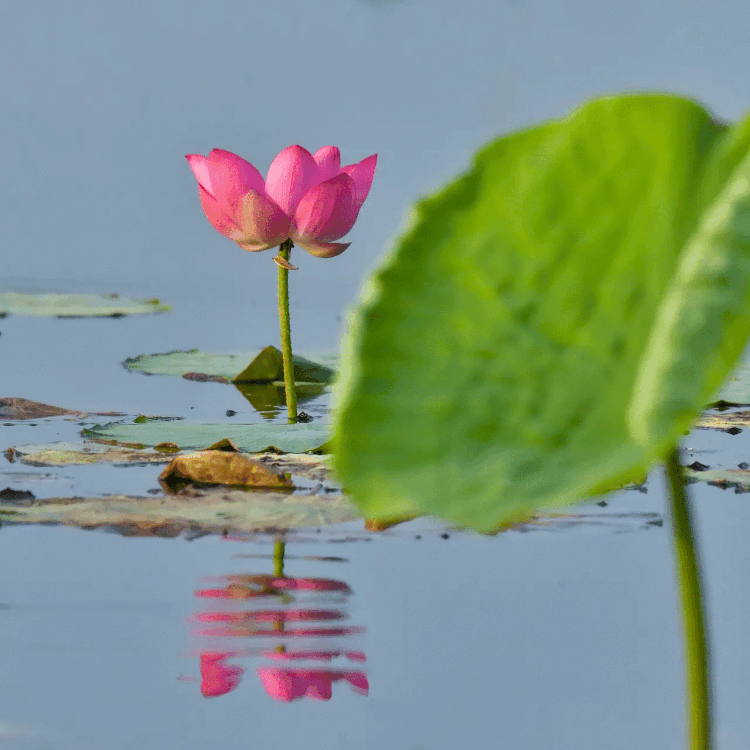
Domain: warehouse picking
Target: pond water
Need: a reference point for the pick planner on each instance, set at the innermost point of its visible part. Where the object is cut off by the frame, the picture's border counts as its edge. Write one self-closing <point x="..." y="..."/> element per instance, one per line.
<point x="562" y="635"/>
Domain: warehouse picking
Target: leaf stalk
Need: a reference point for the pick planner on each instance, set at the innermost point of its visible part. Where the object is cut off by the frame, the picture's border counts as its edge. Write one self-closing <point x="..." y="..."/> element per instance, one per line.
<point x="696" y="646"/>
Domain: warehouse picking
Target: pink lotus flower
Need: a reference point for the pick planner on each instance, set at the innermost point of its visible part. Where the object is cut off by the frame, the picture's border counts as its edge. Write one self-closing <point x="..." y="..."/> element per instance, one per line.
<point x="308" y="198"/>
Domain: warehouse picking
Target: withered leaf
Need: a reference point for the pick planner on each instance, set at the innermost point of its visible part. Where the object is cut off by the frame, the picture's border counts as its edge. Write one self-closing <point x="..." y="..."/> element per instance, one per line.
<point x="223" y="467"/>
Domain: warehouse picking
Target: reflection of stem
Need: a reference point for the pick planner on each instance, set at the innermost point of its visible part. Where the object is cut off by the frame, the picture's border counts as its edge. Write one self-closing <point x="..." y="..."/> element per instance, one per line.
<point x="286" y="333"/>
<point x="278" y="572"/>
<point x="693" y="617"/>
<point x="278" y="558"/>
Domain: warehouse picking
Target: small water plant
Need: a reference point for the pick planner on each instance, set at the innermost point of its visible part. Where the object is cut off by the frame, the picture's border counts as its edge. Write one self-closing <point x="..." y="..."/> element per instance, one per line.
<point x="306" y="199"/>
<point x="551" y="323"/>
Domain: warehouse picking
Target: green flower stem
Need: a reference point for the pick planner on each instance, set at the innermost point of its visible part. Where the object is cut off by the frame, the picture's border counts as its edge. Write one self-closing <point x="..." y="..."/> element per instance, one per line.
<point x="285" y="250"/>
<point x="696" y="638"/>
<point x="278" y="558"/>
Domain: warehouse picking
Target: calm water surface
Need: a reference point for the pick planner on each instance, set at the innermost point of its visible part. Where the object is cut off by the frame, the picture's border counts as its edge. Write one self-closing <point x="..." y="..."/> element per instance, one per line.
<point x="560" y="637"/>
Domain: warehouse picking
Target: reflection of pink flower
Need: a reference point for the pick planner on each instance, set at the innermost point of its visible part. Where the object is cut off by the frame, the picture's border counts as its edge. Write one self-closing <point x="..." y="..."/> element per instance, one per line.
<point x="251" y="629"/>
<point x="218" y="678"/>
<point x="290" y="684"/>
<point x="308" y="198"/>
<point x="251" y="586"/>
<point x="269" y="615"/>
<point x="318" y="655"/>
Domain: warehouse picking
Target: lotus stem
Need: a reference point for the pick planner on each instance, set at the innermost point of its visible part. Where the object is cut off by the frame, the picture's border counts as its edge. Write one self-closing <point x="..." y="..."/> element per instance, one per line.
<point x="278" y="558"/>
<point x="285" y="250"/>
<point x="696" y="646"/>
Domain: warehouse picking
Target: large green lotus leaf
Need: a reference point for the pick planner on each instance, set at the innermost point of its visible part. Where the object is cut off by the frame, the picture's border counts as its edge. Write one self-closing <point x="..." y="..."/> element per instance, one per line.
<point x="76" y="305"/>
<point x="261" y="367"/>
<point x="736" y="390"/>
<point x="296" y="438"/>
<point x="554" y="319"/>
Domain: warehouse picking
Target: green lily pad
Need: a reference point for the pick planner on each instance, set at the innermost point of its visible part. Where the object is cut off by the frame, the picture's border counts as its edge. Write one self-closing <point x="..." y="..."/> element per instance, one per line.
<point x="255" y="438"/>
<point x="265" y="366"/>
<point x="554" y="320"/>
<point x="76" y="305"/>
<point x="211" y="511"/>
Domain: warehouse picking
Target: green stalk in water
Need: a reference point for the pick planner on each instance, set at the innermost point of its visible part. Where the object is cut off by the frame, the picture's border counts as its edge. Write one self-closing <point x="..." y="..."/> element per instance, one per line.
<point x="697" y="667"/>
<point x="285" y="250"/>
<point x="278" y="558"/>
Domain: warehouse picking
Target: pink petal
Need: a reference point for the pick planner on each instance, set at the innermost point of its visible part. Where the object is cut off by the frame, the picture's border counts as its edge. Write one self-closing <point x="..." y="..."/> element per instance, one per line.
<point x="328" y="160"/>
<point x="232" y="176"/>
<point x="326" y="211"/>
<point x="254" y="247"/>
<point x="323" y="249"/>
<point x="221" y="221"/>
<point x="199" y="165"/>
<point x="362" y="174"/>
<point x="261" y="224"/>
<point x="291" y="173"/>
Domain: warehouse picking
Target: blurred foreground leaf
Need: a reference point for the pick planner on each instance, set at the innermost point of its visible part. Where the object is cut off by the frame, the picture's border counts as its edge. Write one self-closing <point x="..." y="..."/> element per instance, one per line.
<point x="76" y="305"/>
<point x="295" y="438"/>
<point x="552" y="321"/>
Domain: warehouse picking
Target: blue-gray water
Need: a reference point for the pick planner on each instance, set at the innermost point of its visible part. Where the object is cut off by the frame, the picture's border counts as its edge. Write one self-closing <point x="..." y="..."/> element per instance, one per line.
<point x="565" y="638"/>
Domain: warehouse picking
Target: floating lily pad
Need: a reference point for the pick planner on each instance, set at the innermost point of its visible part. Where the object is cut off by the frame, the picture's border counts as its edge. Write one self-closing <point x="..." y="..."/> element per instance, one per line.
<point x="76" y="305"/>
<point x="265" y="366"/>
<point x="737" y="479"/>
<point x="66" y="454"/>
<point x="254" y="438"/>
<point x="212" y="511"/>
<point x="727" y="421"/>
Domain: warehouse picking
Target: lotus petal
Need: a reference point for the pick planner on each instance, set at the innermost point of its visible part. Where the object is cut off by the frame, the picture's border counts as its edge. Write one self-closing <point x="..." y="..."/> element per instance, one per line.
<point x="323" y="249"/>
<point x="290" y="175"/>
<point x="328" y="160"/>
<point x="260" y="221"/>
<point x="326" y="211"/>
<point x="220" y="220"/>
<point x="362" y="174"/>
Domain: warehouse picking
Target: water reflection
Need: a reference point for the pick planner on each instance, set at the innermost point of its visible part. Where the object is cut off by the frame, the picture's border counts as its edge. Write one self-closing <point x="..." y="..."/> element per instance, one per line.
<point x="297" y="623"/>
<point x="268" y="398"/>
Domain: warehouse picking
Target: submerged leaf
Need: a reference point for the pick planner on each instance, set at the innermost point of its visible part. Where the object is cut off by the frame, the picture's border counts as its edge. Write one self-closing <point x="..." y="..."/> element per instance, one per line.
<point x="76" y="305"/>
<point x="577" y="297"/>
